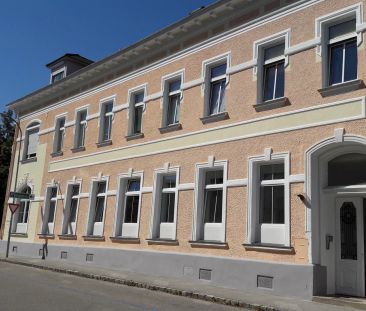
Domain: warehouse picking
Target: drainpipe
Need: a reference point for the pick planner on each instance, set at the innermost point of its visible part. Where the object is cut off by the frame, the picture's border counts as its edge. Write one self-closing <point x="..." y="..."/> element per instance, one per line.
<point x="19" y="130"/>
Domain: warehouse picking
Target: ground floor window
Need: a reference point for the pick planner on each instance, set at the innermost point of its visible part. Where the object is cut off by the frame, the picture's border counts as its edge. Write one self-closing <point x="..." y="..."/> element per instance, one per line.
<point x="49" y="210"/>
<point x="268" y="202"/>
<point x="165" y="204"/>
<point x="128" y="206"/>
<point x="211" y="202"/>
<point x="21" y="216"/>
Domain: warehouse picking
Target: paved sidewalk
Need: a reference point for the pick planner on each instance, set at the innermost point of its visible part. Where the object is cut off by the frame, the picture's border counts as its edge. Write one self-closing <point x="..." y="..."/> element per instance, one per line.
<point x="181" y="287"/>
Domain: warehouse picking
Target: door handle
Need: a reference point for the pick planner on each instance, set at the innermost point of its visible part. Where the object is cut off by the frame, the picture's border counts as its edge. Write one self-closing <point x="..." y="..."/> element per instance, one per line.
<point x="328" y="239"/>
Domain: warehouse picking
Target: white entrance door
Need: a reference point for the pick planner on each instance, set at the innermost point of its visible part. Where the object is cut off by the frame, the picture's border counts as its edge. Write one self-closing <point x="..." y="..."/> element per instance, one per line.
<point x="350" y="271"/>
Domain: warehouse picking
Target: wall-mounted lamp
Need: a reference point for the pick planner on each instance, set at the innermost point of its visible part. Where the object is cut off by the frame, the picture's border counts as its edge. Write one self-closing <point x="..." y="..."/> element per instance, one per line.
<point x="301" y="197"/>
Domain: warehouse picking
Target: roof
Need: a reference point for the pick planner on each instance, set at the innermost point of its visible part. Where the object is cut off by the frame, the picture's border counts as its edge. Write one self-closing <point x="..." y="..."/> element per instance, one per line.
<point x="71" y="57"/>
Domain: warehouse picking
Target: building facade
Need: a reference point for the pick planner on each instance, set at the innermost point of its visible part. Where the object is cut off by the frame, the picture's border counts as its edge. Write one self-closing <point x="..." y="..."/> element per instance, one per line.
<point x="227" y="148"/>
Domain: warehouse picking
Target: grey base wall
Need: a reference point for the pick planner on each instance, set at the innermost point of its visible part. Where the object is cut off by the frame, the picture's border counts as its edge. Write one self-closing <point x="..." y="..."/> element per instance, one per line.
<point x="283" y="279"/>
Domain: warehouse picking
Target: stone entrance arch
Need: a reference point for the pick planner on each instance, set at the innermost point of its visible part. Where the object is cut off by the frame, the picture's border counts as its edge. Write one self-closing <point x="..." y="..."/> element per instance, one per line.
<point x="321" y="210"/>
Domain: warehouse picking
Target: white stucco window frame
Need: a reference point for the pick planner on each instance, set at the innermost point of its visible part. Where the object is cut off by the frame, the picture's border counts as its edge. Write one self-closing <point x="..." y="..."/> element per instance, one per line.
<point x="67" y="206"/>
<point x="322" y="25"/>
<point x="22" y="228"/>
<point x="48" y="228"/>
<point x="90" y="225"/>
<point x="103" y="114"/>
<point x="165" y="81"/>
<point x="158" y="230"/>
<point x="122" y="229"/>
<point x="131" y="107"/>
<point x="198" y="226"/>
<point x="258" y="56"/>
<point x="207" y="64"/>
<point x="253" y="226"/>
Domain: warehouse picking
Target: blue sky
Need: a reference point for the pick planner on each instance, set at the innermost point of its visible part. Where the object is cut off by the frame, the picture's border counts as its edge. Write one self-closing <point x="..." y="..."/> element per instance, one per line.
<point x="33" y="33"/>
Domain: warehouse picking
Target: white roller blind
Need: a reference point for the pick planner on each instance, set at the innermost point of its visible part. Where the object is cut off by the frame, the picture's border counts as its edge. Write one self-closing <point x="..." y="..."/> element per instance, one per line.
<point x="32" y="142"/>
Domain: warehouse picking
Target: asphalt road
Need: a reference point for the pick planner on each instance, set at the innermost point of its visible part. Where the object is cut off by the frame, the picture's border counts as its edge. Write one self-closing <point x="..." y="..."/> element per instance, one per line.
<point x="23" y="288"/>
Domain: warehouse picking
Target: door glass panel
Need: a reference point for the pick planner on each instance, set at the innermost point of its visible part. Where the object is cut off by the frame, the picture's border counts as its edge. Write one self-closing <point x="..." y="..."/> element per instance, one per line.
<point x="348" y="231"/>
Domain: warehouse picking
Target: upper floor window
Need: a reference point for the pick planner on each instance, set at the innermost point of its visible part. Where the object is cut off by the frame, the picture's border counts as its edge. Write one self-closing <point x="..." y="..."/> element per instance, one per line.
<point x="58" y="75"/>
<point x="31" y="141"/>
<point x="273" y="72"/>
<point x="106" y="118"/>
<point x="174" y="95"/>
<point x="217" y="89"/>
<point x="58" y="141"/>
<point x="80" y="128"/>
<point x="342" y="51"/>
<point x="135" y="113"/>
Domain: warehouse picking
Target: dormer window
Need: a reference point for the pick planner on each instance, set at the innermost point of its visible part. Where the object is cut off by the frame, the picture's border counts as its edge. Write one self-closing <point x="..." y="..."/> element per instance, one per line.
<point x="57" y="76"/>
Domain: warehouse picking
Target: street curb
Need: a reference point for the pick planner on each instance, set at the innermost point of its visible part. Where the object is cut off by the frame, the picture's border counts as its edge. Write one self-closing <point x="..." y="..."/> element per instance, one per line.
<point x="132" y="283"/>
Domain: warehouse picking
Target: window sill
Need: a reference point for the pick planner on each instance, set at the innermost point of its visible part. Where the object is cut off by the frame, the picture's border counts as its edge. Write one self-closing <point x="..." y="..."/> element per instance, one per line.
<point x="104" y="143"/>
<point x="19" y="235"/>
<point x="134" y="136"/>
<point x="124" y="239"/>
<point x="272" y="104"/>
<point x="57" y="154"/>
<point x="341" y="88"/>
<point x="170" y="128"/>
<point x="77" y="149"/>
<point x="67" y="237"/>
<point x="31" y="160"/>
<point x="162" y="241"/>
<point x="46" y="236"/>
<point x="214" y="244"/>
<point x="93" y="238"/>
<point x="215" y="117"/>
<point x="269" y="247"/>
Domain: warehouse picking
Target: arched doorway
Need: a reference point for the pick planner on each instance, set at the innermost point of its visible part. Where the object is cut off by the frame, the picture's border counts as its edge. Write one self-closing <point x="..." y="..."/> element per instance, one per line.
<point x="336" y="192"/>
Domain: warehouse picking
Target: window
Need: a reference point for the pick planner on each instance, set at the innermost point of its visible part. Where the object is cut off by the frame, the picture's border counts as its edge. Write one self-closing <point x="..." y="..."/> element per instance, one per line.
<point x="50" y="210"/>
<point x="211" y="202"/>
<point x="272" y="194"/>
<point x="58" y="76"/>
<point x="96" y="216"/>
<point x="106" y="118"/>
<point x="213" y="197"/>
<point x="31" y="141"/>
<point x="128" y="207"/>
<point x="59" y="135"/>
<point x="165" y="205"/>
<point x="271" y="60"/>
<point x="342" y="52"/>
<point x="268" y="201"/>
<point x="136" y="111"/>
<point x="274" y="74"/>
<point x="71" y="208"/>
<point x="174" y="95"/>
<point x="80" y="128"/>
<point x="217" y="89"/>
<point x="21" y="216"/>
